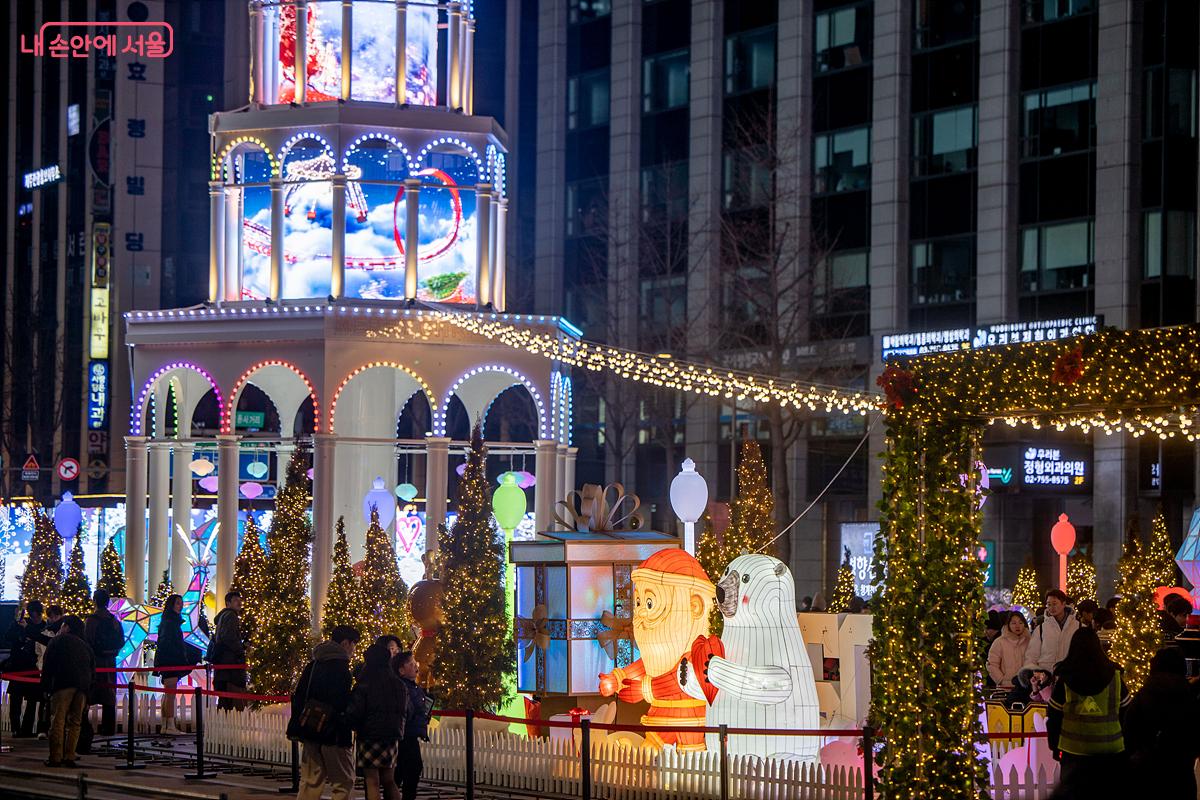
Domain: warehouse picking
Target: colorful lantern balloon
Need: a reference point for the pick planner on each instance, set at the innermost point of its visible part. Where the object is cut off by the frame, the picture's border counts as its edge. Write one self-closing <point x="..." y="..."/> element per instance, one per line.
<point x="508" y="503"/>
<point x="67" y="517"/>
<point x="406" y="492"/>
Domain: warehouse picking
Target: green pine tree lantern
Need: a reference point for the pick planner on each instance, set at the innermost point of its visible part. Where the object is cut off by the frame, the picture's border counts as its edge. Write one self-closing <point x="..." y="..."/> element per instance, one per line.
<point x="76" y="596"/>
<point x="1138" y="634"/>
<point x="843" y="589"/>
<point x="345" y="603"/>
<point x="112" y="575"/>
<point x="164" y="590"/>
<point x="476" y="654"/>
<point x="384" y="591"/>
<point x="1161" y="556"/>
<point x="250" y="573"/>
<point x="43" y="577"/>
<point x="1025" y="591"/>
<point x="282" y="637"/>
<point x="1081" y="578"/>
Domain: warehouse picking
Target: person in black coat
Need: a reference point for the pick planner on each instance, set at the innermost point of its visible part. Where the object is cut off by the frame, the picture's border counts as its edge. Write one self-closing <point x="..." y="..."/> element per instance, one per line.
<point x="172" y="651"/>
<point x="1159" y="729"/>
<point x="103" y="633"/>
<point x="67" y="669"/>
<point x="377" y="710"/>
<point x="416" y="727"/>
<point x="228" y="647"/>
<point x="319" y="718"/>
<point x="21" y="640"/>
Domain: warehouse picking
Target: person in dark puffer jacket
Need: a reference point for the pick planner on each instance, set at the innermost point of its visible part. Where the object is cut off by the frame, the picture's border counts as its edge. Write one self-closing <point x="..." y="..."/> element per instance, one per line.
<point x="326" y="756"/>
<point x="377" y="711"/>
<point x="67" y="670"/>
<point x="409" y="764"/>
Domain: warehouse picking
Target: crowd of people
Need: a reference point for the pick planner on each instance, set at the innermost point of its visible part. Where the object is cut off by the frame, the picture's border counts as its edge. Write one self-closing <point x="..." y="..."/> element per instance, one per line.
<point x="373" y="718"/>
<point x="1103" y="736"/>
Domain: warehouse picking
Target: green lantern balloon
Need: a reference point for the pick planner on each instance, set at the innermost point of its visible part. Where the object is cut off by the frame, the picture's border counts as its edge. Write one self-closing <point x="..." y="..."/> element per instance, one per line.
<point x="508" y="503"/>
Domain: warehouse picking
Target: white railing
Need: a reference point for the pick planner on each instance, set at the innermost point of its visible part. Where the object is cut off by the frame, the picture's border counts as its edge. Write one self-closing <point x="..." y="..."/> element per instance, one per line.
<point x="1023" y="784"/>
<point x="258" y="734"/>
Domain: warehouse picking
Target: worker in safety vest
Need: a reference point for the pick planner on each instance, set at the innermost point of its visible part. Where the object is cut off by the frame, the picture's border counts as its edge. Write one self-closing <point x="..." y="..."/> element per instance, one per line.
<point x="1084" y="720"/>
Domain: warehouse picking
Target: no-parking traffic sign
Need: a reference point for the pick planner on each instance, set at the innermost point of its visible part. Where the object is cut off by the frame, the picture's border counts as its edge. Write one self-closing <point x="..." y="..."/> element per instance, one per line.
<point x="68" y="469"/>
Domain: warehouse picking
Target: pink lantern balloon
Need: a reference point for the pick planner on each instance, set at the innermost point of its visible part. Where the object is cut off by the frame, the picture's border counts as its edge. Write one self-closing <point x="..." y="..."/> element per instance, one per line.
<point x="251" y="490"/>
<point x="209" y="483"/>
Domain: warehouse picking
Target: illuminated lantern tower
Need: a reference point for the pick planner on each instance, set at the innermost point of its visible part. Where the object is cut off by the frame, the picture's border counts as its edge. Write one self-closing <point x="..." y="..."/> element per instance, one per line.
<point x="348" y="207"/>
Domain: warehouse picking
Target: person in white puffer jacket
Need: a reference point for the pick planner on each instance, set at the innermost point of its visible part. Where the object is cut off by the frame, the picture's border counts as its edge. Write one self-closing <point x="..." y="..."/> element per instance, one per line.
<point x="1050" y="641"/>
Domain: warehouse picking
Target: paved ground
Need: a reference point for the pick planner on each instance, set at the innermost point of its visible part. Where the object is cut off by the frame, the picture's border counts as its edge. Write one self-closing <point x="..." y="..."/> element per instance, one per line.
<point x="23" y="775"/>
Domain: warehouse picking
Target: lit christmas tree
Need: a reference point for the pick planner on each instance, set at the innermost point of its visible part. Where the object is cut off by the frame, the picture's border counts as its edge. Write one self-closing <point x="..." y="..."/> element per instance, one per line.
<point x="281" y="639"/>
<point x="112" y="576"/>
<point x="751" y="525"/>
<point x="1161" y="556"/>
<point x="476" y="653"/>
<point x="1138" y="634"/>
<point x="43" y="572"/>
<point x="345" y="604"/>
<point x="843" y="589"/>
<point x="164" y="590"/>
<point x="1081" y="578"/>
<point x="384" y="593"/>
<point x="76" y="596"/>
<point x="1025" y="592"/>
<point x="249" y="573"/>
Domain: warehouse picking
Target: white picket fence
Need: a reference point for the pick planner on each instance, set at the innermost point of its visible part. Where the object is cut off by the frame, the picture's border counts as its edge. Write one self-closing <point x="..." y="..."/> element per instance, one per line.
<point x="258" y="734"/>
<point x="1023" y="784"/>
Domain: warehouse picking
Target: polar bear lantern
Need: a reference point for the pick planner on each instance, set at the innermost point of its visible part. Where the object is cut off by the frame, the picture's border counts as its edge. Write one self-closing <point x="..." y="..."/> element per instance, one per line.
<point x="764" y="679"/>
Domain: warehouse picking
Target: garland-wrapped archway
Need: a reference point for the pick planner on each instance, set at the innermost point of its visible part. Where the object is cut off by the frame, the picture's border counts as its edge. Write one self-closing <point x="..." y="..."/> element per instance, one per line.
<point x="929" y="619"/>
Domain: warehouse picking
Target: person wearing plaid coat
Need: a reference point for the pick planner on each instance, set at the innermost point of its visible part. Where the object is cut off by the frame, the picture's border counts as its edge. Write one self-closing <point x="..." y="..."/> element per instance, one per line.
<point x="377" y="710"/>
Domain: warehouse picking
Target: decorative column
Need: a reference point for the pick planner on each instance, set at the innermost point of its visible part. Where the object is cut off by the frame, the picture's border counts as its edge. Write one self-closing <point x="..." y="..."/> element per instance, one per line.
<point x="256" y="53"/>
<point x="135" y="517"/>
<point x="454" y="77"/>
<point x="337" y="277"/>
<point x="543" y="490"/>
<point x="498" y="260"/>
<point x="227" y="514"/>
<point x="412" y="220"/>
<point x="322" y="551"/>
<point x="483" y="227"/>
<point x="469" y="68"/>
<point x="347" y="46"/>
<point x="276" y="238"/>
<point x="160" y="526"/>
<point x="181" y="514"/>
<point x="216" y="245"/>
<point x="301" y="58"/>
<point x="437" y="471"/>
<point x="569" y="469"/>
<point x="283" y="457"/>
<point x="401" y="52"/>
<point x="560" y="476"/>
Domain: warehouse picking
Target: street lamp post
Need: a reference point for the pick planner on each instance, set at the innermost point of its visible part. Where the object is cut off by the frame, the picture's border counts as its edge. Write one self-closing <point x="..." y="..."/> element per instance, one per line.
<point x="689" y="498"/>
<point x="1062" y="536"/>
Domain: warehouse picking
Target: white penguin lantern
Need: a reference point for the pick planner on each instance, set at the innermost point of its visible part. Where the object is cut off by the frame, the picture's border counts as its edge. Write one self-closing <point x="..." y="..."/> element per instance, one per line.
<point x="765" y="678"/>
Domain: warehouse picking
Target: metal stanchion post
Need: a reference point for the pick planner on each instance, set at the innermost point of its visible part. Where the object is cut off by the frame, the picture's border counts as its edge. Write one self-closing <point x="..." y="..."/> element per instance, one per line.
<point x="868" y="745"/>
<point x="130" y="721"/>
<point x="724" y="737"/>
<point x="199" y="715"/>
<point x="295" y="787"/>
<point x="6" y="708"/>
<point x="585" y="756"/>
<point x="470" y="754"/>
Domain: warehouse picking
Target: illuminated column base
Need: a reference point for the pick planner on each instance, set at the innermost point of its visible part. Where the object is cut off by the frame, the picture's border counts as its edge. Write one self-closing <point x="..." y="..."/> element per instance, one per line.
<point x="227" y="514"/>
<point x="437" y="471"/>
<point x="543" y="490"/>
<point x="135" y="517"/>
<point x="181" y="515"/>
<point x="160" y="525"/>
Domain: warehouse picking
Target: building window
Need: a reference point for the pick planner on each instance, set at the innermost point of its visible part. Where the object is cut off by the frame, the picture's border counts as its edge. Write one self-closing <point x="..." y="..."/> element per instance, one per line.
<point x="843" y="37"/>
<point x="588" y="100"/>
<point x="1170" y="111"/>
<point x="665" y="81"/>
<point x="841" y="295"/>
<point x="1059" y="120"/>
<point x="587" y="10"/>
<point x="750" y="61"/>
<point x="943" y="271"/>
<point x="842" y="161"/>
<point x="747" y="178"/>
<point x="665" y="191"/>
<point x="944" y="141"/>
<point x="587" y="209"/>
<point x="1170" y="239"/>
<point x="1050" y="10"/>
<point x="1057" y="257"/>
<point x="663" y="308"/>
<point x="940" y="23"/>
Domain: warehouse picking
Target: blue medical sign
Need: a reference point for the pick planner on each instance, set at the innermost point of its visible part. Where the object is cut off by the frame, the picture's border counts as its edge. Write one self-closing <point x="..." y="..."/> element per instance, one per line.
<point x="97" y="395"/>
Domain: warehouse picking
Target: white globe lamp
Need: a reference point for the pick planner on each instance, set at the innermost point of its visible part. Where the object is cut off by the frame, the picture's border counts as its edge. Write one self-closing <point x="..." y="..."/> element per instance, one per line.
<point x="689" y="499"/>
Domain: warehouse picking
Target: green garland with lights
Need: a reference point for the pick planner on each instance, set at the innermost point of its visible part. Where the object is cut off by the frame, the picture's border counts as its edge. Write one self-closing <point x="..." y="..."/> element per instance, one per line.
<point x="926" y="698"/>
<point x="476" y="653"/>
<point x="1138" y="634"/>
<point x="76" y="595"/>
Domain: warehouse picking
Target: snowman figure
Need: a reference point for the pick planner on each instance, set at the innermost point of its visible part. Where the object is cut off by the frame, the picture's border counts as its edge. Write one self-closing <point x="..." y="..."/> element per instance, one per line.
<point x="764" y="678"/>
